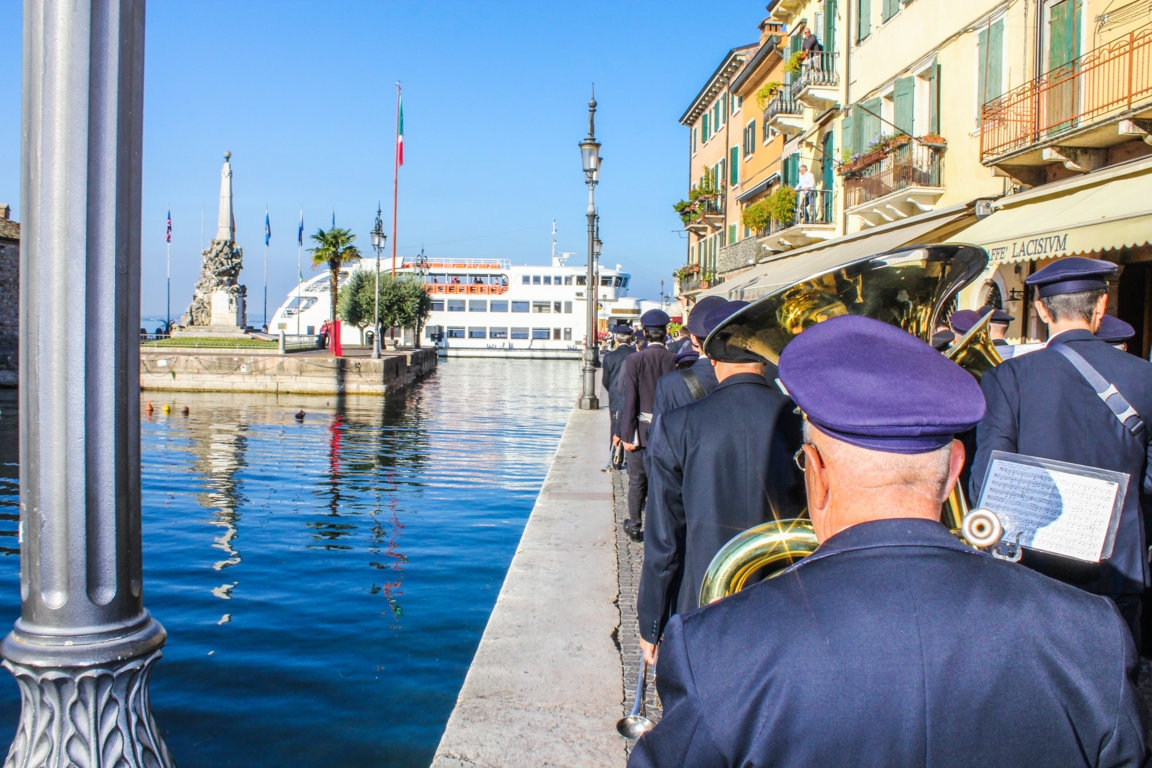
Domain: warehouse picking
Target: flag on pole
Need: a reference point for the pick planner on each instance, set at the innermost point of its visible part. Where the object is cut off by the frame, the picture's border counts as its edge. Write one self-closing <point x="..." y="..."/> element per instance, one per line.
<point x="267" y="228"/>
<point x="333" y="218"/>
<point x="168" y="234"/>
<point x="300" y="231"/>
<point x="400" y="134"/>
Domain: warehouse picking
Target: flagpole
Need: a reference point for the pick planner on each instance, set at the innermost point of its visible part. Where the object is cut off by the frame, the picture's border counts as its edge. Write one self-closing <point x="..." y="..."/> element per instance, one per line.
<point x="399" y="158"/>
<point x="299" y="268"/>
<point x="267" y="236"/>
<point x="168" y="275"/>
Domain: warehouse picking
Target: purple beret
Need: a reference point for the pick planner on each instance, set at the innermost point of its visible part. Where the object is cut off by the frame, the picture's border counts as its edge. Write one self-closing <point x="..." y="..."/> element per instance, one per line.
<point x="1114" y="330"/>
<point x="1071" y="275"/>
<point x="700" y="313"/>
<point x="962" y="320"/>
<point x="654" y="318"/>
<point x="998" y="315"/>
<point x="622" y="329"/>
<point x="875" y="386"/>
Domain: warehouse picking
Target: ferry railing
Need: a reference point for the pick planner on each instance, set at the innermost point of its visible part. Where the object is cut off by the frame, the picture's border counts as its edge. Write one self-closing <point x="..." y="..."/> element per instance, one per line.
<point x="465" y="288"/>
<point x="1107" y="81"/>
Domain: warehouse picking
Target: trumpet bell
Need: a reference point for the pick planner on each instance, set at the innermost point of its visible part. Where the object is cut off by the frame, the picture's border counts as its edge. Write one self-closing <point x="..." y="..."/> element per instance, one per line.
<point x="774" y="544"/>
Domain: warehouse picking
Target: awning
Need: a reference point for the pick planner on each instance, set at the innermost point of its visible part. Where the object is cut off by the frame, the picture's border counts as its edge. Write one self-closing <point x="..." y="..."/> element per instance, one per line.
<point x="762" y="186"/>
<point x="794" y="266"/>
<point x="1095" y="212"/>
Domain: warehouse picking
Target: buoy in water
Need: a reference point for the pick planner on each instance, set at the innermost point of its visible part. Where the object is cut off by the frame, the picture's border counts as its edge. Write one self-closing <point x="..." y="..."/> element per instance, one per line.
<point x="300" y="415"/>
<point x="167" y="408"/>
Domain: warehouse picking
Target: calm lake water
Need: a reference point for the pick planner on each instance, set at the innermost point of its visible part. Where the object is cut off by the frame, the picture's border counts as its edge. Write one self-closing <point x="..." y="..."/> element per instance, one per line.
<point x="324" y="583"/>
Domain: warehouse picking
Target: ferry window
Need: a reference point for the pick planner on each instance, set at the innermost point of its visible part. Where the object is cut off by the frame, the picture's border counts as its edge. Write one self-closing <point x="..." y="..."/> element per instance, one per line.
<point x="478" y="305"/>
<point x="619" y="282"/>
<point x="567" y="307"/>
<point x="499" y="306"/>
<point x="581" y="280"/>
<point x="455" y="305"/>
<point x="556" y="334"/>
<point x="535" y="279"/>
<point x="497" y="333"/>
<point x="547" y="279"/>
<point x="455" y="333"/>
<point x="527" y="280"/>
<point x="477" y="333"/>
<point x="624" y="283"/>
<point x="519" y="333"/>
<point x="606" y="281"/>
<point x="519" y="306"/>
<point x="540" y="333"/>
<point x="541" y="307"/>
<point x="568" y="280"/>
<point x="567" y="334"/>
<point x="437" y="305"/>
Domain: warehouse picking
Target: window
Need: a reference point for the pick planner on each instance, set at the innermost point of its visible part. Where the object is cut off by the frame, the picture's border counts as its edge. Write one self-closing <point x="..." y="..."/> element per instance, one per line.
<point x="567" y="279"/>
<point x="477" y="305"/>
<point x="556" y="305"/>
<point x="547" y="279"/>
<point x="891" y="7"/>
<point x="750" y="139"/>
<point x="497" y="333"/>
<point x="734" y="166"/>
<point x="693" y="139"/>
<point x="455" y="305"/>
<point x="526" y="280"/>
<point x="455" y="333"/>
<point x="519" y="333"/>
<point x="437" y="305"/>
<point x="500" y="305"/>
<point x="535" y="279"/>
<point x="519" y="306"/>
<point x="704" y="129"/>
<point x="567" y="307"/>
<point x="581" y="280"/>
<point x="863" y="19"/>
<point x="904" y="103"/>
<point x="541" y="307"/>
<point x="555" y="334"/>
<point x="567" y="334"/>
<point x="540" y="333"/>
<point x="731" y="233"/>
<point x="989" y="65"/>
<point x="477" y="333"/>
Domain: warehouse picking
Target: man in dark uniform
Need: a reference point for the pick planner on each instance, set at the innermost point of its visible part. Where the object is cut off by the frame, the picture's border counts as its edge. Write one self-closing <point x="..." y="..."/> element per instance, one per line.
<point x="638" y="384"/>
<point x="998" y="329"/>
<point x="611" y="363"/>
<point x="719" y="466"/>
<point x="1115" y="331"/>
<point x="894" y="644"/>
<point x="1039" y="404"/>
<point x="683" y="386"/>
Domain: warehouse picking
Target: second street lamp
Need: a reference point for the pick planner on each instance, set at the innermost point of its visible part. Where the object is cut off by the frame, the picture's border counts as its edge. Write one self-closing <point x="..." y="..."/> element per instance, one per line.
<point x="590" y="154"/>
<point x="378" y="239"/>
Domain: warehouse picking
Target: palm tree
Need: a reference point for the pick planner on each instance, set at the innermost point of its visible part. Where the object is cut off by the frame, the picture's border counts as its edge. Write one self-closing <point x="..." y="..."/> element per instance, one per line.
<point x="335" y="249"/>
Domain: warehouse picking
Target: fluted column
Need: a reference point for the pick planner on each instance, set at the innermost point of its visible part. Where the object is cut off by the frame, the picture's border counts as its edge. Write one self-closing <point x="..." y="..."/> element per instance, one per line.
<point x="84" y="645"/>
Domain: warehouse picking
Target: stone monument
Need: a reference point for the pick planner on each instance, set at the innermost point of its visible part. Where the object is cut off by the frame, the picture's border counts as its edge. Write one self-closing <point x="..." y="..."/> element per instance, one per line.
<point x="219" y="301"/>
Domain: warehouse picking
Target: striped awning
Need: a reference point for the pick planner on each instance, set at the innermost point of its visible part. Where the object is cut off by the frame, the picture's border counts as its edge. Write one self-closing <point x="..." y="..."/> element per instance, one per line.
<point x="1098" y="211"/>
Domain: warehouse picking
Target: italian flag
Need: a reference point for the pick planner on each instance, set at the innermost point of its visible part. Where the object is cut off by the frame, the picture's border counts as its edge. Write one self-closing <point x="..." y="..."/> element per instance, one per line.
<point x="400" y="133"/>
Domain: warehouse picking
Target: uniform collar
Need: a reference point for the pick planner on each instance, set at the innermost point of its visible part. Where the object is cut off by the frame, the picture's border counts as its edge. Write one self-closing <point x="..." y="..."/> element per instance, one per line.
<point x="743" y="378"/>
<point x="886" y="533"/>
<point x="1075" y="334"/>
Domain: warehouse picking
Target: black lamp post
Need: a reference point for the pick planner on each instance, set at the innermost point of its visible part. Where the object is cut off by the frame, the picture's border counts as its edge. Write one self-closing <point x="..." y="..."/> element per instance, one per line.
<point x="590" y="153"/>
<point x="378" y="239"/>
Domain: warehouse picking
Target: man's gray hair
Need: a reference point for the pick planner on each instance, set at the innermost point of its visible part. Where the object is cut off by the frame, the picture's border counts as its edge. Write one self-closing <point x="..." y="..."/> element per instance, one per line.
<point x="1073" y="306"/>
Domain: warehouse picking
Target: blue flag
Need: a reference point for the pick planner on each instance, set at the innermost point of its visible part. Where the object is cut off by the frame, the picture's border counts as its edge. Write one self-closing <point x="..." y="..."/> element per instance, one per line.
<point x="300" y="232"/>
<point x="267" y="229"/>
<point x="333" y="218"/>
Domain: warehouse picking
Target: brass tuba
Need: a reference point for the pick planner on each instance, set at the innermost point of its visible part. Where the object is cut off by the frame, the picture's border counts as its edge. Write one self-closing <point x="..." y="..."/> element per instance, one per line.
<point x="910" y="288"/>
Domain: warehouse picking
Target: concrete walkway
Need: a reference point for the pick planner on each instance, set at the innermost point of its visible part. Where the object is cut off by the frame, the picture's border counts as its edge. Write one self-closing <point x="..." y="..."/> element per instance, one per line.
<point x="545" y="687"/>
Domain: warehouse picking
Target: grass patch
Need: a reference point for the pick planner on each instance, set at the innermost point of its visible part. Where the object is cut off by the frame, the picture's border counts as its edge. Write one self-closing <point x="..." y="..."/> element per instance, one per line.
<point x="195" y="342"/>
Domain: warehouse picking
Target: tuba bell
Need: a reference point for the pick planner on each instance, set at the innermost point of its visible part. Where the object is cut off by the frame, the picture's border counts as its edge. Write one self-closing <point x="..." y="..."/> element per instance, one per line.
<point x="910" y="288"/>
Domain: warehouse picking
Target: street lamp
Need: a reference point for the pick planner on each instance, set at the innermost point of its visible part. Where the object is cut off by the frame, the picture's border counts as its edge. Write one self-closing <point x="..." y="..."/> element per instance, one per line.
<point x="590" y="154"/>
<point x="378" y="239"/>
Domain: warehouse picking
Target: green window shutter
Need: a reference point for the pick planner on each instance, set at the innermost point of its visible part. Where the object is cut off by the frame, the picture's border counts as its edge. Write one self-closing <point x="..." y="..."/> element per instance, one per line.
<point x="870" y="125"/>
<point x="792" y="169"/>
<point x="1063" y="33"/>
<point x="891" y="8"/>
<point x="934" y="99"/>
<point x="994" y="84"/>
<point x="828" y="150"/>
<point x="704" y="130"/>
<point x="902" y="101"/>
<point x="734" y="167"/>
<point x="693" y="141"/>
<point x="829" y="39"/>
<point x="731" y="234"/>
<point x="724" y="110"/>
<point x="847" y="139"/>
<point x="863" y="19"/>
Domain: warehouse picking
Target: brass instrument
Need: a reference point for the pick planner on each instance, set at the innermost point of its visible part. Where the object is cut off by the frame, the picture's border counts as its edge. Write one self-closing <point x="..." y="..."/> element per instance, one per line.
<point x="909" y="288"/>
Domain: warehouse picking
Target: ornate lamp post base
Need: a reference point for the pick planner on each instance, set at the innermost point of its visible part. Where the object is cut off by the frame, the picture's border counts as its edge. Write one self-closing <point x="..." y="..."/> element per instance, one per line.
<point x="78" y="711"/>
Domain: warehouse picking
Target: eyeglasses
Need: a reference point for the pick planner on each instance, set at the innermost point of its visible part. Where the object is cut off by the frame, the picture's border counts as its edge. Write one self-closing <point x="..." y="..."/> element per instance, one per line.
<point x="799" y="458"/>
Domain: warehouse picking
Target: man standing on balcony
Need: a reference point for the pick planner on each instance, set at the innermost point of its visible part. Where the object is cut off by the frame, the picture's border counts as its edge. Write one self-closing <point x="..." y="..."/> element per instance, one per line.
<point x="812" y="49"/>
<point x="806" y="194"/>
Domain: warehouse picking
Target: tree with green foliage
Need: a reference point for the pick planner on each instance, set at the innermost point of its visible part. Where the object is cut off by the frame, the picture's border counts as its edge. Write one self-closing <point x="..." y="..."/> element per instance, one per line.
<point x="334" y="248"/>
<point x="403" y="302"/>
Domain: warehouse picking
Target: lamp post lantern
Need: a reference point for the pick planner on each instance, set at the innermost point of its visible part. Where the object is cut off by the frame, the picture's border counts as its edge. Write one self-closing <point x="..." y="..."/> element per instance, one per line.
<point x="378" y="240"/>
<point x="590" y="153"/>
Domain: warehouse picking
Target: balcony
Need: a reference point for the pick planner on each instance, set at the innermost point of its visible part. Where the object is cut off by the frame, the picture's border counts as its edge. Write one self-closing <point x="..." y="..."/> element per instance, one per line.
<point x="813" y="221"/>
<point x="818" y="85"/>
<point x="784" y="112"/>
<point x="1073" y="113"/>
<point x="906" y="181"/>
<point x="785" y="10"/>
<point x="705" y="215"/>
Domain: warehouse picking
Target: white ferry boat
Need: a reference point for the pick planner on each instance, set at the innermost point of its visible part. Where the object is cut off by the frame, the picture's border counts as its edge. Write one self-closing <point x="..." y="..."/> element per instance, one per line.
<point x="482" y="307"/>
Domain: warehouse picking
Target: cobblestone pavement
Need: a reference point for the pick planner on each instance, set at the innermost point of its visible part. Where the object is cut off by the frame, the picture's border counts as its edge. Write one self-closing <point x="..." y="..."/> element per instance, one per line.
<point x="629" y="556"/>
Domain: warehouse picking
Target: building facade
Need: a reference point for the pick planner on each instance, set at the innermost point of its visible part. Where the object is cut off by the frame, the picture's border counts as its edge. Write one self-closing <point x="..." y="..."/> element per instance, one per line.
<point x="9" y="292"/>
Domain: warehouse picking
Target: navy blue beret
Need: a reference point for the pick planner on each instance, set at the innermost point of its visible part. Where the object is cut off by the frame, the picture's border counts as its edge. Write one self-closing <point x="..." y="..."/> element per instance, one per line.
<point x="654" y="318"/>
<point x="998" y="315"/>
<point x="875" y="386"/>
<point x="622" y="329"/>
<point x="700" y="313"/>
<point x="1071" y="275"/>
<point x="717" y="348"/>
<point x="686" y="356"/>
<point x="941" y="340"/>
<point x="1114" y="330"/>
<point x="962" y="320"/>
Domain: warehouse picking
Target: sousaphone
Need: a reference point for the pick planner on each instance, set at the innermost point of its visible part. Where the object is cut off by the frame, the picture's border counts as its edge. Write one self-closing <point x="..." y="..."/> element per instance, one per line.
<point x="911" y="288"/>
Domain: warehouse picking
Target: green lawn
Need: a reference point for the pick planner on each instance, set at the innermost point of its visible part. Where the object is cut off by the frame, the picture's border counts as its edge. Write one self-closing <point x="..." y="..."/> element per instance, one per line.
<point x="194" y="342"/>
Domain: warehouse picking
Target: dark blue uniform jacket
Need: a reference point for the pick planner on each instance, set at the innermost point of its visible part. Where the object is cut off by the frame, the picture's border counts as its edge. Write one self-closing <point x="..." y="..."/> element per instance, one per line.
<point x="718" y="467"/>
<point x="611" y="364"/>
<point x="638" y="384"/>
<point x="896" y="645"/>
<point x="1039" y="405"/>
<point x="672" y="389"/>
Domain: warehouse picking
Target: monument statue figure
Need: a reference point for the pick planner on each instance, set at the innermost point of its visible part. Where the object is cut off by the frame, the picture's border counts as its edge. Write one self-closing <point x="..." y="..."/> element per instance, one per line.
<point x="219" y="300"/>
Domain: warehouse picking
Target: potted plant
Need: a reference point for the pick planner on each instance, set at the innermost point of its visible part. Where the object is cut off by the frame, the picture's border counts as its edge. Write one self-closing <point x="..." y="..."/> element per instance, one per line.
<point x="933" y="140"/>
<point x="782" y="206"/>
<point x="795" y="63"/>
<point x="766" y="92"/>
<point x="757" y="216"/>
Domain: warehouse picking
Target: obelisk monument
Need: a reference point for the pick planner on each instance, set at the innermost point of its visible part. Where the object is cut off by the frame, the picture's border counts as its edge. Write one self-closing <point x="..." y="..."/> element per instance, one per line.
<point x="219" y="301"/>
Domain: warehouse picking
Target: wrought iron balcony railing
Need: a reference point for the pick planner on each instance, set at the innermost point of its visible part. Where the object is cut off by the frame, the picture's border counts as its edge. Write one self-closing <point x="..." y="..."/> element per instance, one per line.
<point x="783" y="103"/>
<point x="819" y="69"/>
<point x="910" y="165"/>
<point x="1103" y="83"/>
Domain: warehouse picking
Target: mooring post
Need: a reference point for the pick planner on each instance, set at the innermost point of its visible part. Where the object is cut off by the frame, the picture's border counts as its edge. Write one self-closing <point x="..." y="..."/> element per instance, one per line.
<point x="283" y="346"/>
<point x="83" y="647"/>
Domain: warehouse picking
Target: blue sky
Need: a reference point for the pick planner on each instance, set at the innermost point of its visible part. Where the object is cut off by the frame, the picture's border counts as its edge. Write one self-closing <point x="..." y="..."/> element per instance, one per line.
<point x="302" y="92"/>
